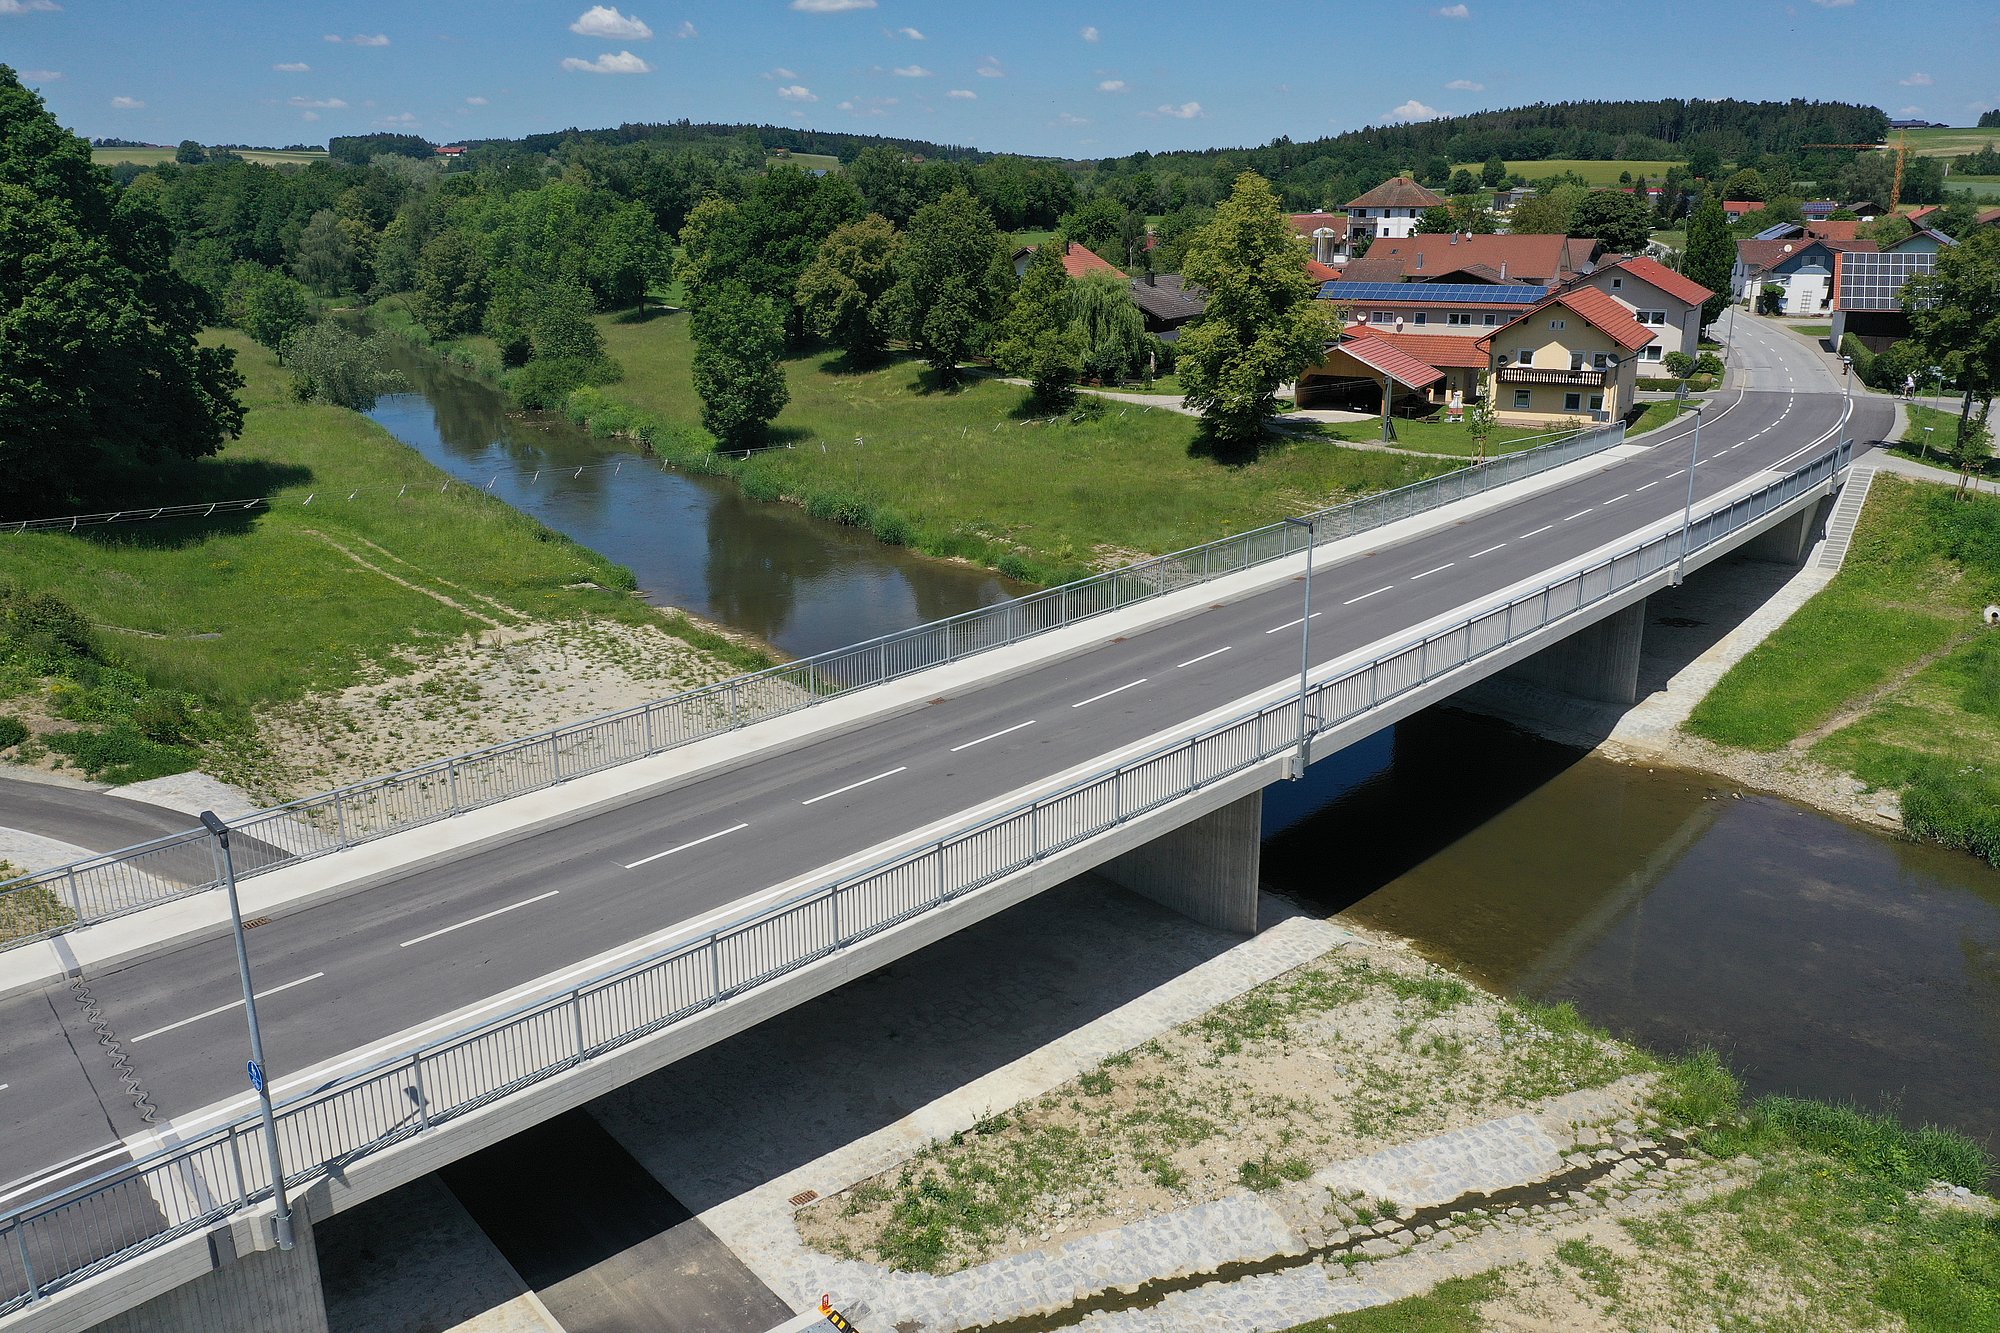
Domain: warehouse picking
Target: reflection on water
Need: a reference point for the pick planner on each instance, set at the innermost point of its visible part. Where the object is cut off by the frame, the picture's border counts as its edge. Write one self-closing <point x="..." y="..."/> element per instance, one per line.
<point x="1822" y="959"/>
<point x="797" y="582"/>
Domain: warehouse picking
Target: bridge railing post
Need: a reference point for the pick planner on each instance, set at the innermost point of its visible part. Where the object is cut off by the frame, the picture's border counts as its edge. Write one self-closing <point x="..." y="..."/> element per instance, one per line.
<point x="27" y="1264"/>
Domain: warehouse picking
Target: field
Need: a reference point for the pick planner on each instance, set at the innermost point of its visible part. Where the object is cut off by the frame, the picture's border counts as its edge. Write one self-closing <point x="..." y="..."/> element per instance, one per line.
<point x="1948" y="143"/>
<point x="1593" y="173"/>
<point x="804" y="161"/>
<point x="153" y="157"/>
<point x="1980" y="187"/>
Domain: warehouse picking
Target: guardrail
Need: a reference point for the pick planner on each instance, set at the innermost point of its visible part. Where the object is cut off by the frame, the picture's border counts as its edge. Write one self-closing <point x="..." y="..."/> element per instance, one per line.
<point x="96" y="888"/>
<point x="66" y="1237"/>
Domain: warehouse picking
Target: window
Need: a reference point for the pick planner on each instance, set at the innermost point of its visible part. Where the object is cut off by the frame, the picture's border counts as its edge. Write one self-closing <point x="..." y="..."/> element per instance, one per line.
<point x="1576" y="360"/>
<point x="1521" y="399"/>
<point x="1525" y="357"/>
<point x="1417" y="318"/>
<point x="1461" y="318"/>
<point x="1597" y="402"/>
<point x="1572" y="402"/>
<point x="1381" y="317"/>
<point x="1600" y="361"/>
<point x="1651" y="316"/>
<point x="1491" y="319"/>
<point x="1652" y="352"/>
<point x="1558" y="323"/>
<point x="1616" y="283"/>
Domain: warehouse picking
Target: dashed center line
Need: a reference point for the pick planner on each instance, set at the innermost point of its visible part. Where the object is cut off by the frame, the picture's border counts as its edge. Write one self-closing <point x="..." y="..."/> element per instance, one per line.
<point x="993" y="736"/>
<point x="1300" y="620"/>
<point x="1366" y="595"/>
<point x="684" y="846"/>
<point x="219" y="1009"/>
<point x="1536" y="533"/>
<point x="1616" y="498"/>
<point x="1579" y="513"/>
<point x="838" y="791"/>
<point x="1488" y="551"/>
<point x="1439" y="570"/>
<point x="1108" y="693"/>
<point x="1205" y="656"/>
<point x="483" y="916"/>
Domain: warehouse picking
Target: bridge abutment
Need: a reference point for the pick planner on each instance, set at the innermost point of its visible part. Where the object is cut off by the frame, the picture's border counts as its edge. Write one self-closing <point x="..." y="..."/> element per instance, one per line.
<point x="249" y="1291"/>
<point x="1600" y="662"/>
<point x="1792" y="540"/>
<point x="1206" y="870"/>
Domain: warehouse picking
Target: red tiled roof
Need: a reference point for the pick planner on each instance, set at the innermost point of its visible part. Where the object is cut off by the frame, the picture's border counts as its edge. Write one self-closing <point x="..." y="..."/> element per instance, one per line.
<point x="1398" y="192"/>
<point x="1741" y="205"/>
<point x="1760" y="255"/>
<point x="1377" y="352"/>
<point x="1371" y="269"/>
<point x="1989" y="217"/>
<point x="1648" y="269"/>
<point x="1305" y="224"/>
<point x="1842" y="229"/>
<point x="1437" y="349"/>
<point x="1079" y="260"/>
<point x="1606" y="315"/>
<point x="1534" y="258"/>
<point x="1320" y="272"/>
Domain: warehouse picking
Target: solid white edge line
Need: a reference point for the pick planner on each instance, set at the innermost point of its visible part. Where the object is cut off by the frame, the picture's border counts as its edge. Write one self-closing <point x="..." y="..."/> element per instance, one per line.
<point x="39" y="1181"/>
<point x="1296" y="620"/>
<point x="684" y="846"/>
<point x="993" y="736"/>
<point x="1366" y="595"/>
<point x="1205" y="656"/>
<point x="1439" y="570"/>
<point x="839" y="791"/>
<point x="211" y="1013"/>
<point x="484" y="916"/>
<point x="1120" y="690"/>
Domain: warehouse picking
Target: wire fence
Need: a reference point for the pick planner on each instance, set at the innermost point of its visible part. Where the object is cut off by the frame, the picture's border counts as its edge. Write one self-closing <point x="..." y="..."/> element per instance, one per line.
<point x="61" y="1239"/>
<point x="96" y="888"/>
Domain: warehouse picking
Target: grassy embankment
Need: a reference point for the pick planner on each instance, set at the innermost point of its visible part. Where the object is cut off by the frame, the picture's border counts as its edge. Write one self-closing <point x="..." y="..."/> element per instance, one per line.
<point x="1889" y="673"/>
<point x="1937" y="449"/>
<point x="473" y="351"/>
<point x="189" y="626"/>
<point x="971" y="472"/>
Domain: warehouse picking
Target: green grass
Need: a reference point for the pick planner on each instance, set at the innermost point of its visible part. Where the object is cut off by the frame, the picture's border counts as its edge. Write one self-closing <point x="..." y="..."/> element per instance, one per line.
<point x="1979" y="187"/>
<point x="1820" y="331"/>
<point x="153" y="157"/>
<point x="1593" y="173"/>
<point x="972" y="472"/>
<point x="1452" y="1306"/>
<point x="1437" y="437"/>
<point x="1948" y="143"/>
<point x="804" y="161"/>
<point x="1652" y="417"/>
<point x="1937" y="450"/>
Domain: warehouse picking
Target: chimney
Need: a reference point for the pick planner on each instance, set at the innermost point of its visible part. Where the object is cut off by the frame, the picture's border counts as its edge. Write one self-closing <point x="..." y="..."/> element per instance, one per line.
<point x="1420" y="260"/>
<point x="1152" y="278"/>
<point x="1454" y="238"/>
<point x="1503" y="269"/>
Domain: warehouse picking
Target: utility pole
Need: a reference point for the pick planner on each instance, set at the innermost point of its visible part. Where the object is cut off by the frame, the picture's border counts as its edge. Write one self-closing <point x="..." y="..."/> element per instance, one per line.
<point x="1305" y="648"/>
<point x="1687" y="516"/>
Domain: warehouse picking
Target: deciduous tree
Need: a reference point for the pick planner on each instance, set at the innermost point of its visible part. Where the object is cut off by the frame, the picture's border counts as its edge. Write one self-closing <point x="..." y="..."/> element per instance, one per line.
<point x="331" y="365"/>
<point x="451" y="285"/>
<point x="1034" y="339"/>
<point x="325" y="257"/>
<point x="1624" y="222"/>
<point x="841" y="290"/>
<point x="952" y="275"/>
<point x="1710" y="256"/>
<point x="270" y="307"/>
<point x="1110" y="331"/>
<point x="1955" y="323"/>
<point x="738" y="338"/>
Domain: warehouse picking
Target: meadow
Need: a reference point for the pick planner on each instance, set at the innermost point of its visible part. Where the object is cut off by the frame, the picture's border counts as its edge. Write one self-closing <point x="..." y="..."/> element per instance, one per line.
<point x="1593" y="173"/>
<point x="153" y="157"/>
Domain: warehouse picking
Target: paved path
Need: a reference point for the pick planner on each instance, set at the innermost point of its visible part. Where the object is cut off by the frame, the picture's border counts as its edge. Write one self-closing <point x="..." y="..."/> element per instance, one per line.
<point x="1916" y="471"/>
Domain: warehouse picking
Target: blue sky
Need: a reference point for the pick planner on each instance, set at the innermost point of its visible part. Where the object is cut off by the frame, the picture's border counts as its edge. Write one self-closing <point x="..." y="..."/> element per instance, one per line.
<point x="1083" y="78"/>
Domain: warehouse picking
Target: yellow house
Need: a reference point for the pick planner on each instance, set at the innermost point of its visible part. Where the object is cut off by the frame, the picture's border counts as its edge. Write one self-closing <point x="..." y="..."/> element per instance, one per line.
<point x="1574" y="355"/>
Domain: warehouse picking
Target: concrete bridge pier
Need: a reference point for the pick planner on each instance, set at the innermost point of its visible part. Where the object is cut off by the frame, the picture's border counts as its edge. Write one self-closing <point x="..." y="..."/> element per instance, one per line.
<point x="1601" y="662"/>
<point x="1206" y="870"/>
<point x="249" y="1291"/>
<point x="1792" y="540"/>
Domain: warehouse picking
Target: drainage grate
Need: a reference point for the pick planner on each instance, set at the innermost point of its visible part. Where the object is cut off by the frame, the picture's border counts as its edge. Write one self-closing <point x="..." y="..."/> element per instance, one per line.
<point x="803" y="1197"/>
<point x="256" y="921"/>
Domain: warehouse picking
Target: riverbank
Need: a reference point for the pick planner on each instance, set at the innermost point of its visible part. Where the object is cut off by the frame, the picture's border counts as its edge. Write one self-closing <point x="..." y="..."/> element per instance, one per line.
<point x="368" y="617"/>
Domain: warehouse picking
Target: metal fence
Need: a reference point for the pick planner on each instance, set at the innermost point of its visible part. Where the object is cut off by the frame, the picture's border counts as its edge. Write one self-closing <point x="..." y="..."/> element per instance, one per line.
<point x="63" y="1238"/>
<point x="97" y="887"/>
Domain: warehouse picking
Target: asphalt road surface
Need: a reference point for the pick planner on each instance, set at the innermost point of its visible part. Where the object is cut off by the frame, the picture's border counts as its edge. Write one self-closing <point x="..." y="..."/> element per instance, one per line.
<point x="337" y="978"/>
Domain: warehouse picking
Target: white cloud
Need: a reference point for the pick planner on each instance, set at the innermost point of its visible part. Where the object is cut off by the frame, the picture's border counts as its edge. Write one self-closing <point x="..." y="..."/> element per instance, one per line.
<point x="292" y="67"/>
<point x="910" y="33"/>
<point x="686" y="32"/>
<point x="28" y="6"/>
<point x="911" y="72"/>
<point x="1454" y="12"/>
<point x="320" y="103"/>
<point x="1069" y="121"/>
<point x="788" y="75"/>
<point x="1414" y="110"/>
<point x="989" y="68"/>
<point x="1917" y="80"/>
<point x="1112" y="86"/>
<point x="41" y="75"/>
<point x="360" y="39"/>
<point x="1088" y="34"/>
<point x="830" y="6"/>
<point x="309" y="115"/>
<point x="797" y="92"/>
<point x="963" y="94"/>
<point x="622" y="63"/>
<point x="402" y="118"/>
<point x="127" y="103"/>
<point x="605" y="21"/>
<point x="1185" y="111"/>
<point x="1466" y="86"/>
<point x="475" y="101"/>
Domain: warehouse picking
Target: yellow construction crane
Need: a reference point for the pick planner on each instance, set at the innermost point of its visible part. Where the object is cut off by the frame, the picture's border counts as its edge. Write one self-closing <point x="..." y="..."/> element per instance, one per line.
<point x="1901" y="150"/>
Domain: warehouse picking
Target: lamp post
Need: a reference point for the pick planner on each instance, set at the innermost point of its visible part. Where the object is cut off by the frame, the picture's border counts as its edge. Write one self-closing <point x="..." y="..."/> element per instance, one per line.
<point x="281" y="1224"/>
<point x="1305" y="645"/>
<point x="1846" y="386"/>
<point x="1687" y="516"/>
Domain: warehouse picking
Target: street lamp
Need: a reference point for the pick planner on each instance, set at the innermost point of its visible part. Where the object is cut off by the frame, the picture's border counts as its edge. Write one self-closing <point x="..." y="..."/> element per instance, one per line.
<point x="1687" y="517"/>
<point x="281" y="1225"/>
<point x="1305" y="645"/>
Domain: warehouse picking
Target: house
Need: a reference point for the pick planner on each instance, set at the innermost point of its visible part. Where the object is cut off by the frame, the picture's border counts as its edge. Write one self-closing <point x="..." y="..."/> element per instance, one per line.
<point x="1504" y="200"/>
<point x="1077" y="261"/>
<point x="1660" y="299"/>
<point x="1327" y="234"/>
<point x="1736" y="209"/>
<point x="1433" y="308"/>
<point x="1543" y="259"/>
<point x="1868" y="289"/>
<point x="451" y="150"/>
<point x="1819" y="208"/>
<point x="1391" y="209"/>
<point x="1801" y="269"/>
<point x="1166" y="303"/>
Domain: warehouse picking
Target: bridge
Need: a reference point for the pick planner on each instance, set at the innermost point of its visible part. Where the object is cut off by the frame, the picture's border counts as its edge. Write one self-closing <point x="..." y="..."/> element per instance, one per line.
<point x="448" y="956"/>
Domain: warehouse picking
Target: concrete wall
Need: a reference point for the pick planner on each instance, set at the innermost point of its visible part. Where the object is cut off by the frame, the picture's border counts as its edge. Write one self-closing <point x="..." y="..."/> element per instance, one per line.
<point x="1791" y="541"/>
<point x="262" y="1291"/>
<point x="1601" y="662"/>
<point x="1206" y="870"/>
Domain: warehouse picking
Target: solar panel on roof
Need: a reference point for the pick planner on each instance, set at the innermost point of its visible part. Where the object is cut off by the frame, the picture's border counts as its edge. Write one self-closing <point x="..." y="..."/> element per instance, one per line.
<point x="1875" y="281"/>
<point x="1440" y="293"/>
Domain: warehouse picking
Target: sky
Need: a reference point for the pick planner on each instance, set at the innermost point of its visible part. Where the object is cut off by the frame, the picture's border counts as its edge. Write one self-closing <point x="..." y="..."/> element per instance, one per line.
<point x="1072" y="78"/>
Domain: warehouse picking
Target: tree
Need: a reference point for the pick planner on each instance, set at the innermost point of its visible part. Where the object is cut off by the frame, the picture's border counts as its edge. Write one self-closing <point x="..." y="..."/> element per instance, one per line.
<point x="1710" y="256"/>
<point x="1494" y="173"/>
<point x="1548" y="213"/>
<point x="1746" y="184"/>
<point x="1955" y="324"/>
<point x="451" y="285"/>
<point x="738" y="338"/>
<point x="325" y="258"/>
<point x="273" y="306"/>
<point x="331" y="365"/>
<point x="1034" y="339"/>
<point x="1094" y="224"/>
<point x="1479" y="419"/>
<point x="1436" y="170"/>
<point x="1704" y="161"/>
<point x="190" y="153"/>
<point x="101" y="358"/>
<point x="841" y="289"/>
<point x="1262" y="325"/>
<point x="627" y="256"/>
<point x="1470" y="214"/>
<point x="952" y="275"/>
<point x="1989" y="120"/>
<point x="1109" y="329"/>
<point x="1622" y="221"/>
<point x="1436" y="221"/>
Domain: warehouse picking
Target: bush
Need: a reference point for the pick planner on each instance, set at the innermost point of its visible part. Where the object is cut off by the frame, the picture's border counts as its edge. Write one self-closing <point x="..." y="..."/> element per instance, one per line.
<point x="1864" y="360"/>
<point x="12" y="731"/>
<point x="1679" y="364"/>
<point x="1708" y="363"/>
<point x="121" y="754"/>
<point x="546" y="383"/>
<point x="43" y="630"/>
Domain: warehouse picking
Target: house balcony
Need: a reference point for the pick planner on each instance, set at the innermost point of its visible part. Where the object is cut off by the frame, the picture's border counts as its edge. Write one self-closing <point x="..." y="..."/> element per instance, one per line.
<point x="1573" y="379"/>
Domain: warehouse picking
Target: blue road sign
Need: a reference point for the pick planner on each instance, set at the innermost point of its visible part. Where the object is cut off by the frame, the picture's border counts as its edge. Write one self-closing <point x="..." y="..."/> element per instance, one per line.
<point x="256" y="1075"/>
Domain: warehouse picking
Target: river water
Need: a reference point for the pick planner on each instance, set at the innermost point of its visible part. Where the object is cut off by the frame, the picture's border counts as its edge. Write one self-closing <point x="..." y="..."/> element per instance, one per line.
<point x="799" y="583"/>
<point x="1821" y="959"/>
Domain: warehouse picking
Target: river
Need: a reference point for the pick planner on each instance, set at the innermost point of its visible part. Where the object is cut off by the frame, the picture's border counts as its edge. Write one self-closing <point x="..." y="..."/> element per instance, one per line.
<point x="1821" y="959"/>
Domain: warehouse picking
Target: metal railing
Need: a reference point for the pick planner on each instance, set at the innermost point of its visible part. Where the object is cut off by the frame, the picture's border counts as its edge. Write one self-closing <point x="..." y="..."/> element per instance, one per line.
<point x="96" y="888"/>
<point x="65" y="1237"/>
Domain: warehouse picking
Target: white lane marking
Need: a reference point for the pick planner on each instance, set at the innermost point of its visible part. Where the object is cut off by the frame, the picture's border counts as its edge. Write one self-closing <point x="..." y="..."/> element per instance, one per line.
<point x="1289" y="623"/>
<point x="1120" y="690"/>
<point x="1579" y="513"/>
<point x="1536" y="533"/>
<point x="1205" y="656"/>
<point x="484" y="916"/>
<point x="1439" y="570"/>
<point x="1616" y="498"/>
<point x="3" y="1087"/>
<point x="37" y="1183"/>
<point x="219" y="1009"/>
<point x="993" y="735"/>
<point x="1366" y="595"/>
<point x="736" y="828"/>
<point x="1488" y="551"/>
<point x="840" y="791"/>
